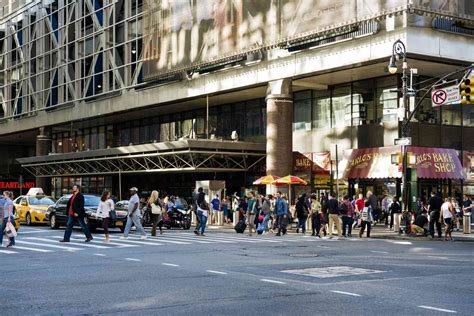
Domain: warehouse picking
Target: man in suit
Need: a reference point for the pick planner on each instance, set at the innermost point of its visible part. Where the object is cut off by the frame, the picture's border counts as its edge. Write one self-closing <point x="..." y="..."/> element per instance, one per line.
<point x="75" y="209"/>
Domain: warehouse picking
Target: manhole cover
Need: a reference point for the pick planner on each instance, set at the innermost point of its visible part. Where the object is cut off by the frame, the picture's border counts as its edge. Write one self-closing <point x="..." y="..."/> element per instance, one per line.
<point x="304" y="255"/>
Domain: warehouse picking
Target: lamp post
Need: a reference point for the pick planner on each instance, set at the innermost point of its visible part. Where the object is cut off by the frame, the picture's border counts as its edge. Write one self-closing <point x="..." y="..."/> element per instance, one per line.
<point x="399" y="52"/>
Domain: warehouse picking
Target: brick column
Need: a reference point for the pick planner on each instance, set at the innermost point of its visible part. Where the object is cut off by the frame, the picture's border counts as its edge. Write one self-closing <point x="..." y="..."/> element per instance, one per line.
<point x="279" y="128"/>
<point x="43" y="148"/>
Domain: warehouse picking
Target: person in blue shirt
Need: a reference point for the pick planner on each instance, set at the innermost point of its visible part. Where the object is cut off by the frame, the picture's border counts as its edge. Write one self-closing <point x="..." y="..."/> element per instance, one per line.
<point x="215" y="208"/>
<point x="281" y="211"/>
<point x="7" y="216"/>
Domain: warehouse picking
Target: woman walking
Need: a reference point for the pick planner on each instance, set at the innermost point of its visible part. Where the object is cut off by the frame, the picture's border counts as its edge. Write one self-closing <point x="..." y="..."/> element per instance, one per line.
<point x="106" y="205"/>
<point x="447" y="214"/>
<point x="302" y="214"/>
<point x="316" y="215"/>
<point x="7" y="217"/>
<point x="367" y="218"/>
<point x="155" y="208"/>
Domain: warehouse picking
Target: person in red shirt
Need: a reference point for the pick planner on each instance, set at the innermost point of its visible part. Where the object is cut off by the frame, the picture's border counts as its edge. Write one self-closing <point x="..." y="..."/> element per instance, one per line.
<point x="359" y="203"/>
<point x="75" y="209"/>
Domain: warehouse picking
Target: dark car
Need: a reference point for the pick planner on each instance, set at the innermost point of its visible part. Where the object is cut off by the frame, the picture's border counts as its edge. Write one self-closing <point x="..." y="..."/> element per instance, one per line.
<point x="57" y="213"/>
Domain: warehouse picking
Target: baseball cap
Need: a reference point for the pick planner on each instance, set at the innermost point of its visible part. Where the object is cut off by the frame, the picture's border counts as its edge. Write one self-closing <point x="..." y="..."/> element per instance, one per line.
<point x="134" y="189"/>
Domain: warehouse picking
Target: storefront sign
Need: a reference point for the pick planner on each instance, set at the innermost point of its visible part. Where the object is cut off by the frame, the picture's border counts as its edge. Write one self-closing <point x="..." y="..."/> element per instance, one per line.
<point x="15" y="185"/>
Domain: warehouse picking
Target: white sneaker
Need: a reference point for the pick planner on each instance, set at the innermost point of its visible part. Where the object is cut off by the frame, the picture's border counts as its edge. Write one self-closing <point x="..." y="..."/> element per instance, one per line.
<point x="123" y="238"/>
<point x="143" y="237"/>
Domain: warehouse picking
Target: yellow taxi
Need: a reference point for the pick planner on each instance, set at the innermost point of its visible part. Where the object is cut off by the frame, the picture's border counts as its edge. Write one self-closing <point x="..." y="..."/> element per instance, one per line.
<point x="32" y="209"/>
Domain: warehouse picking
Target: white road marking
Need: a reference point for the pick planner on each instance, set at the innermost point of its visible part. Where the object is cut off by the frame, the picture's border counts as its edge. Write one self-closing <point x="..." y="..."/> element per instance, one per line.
<point x="331" y="272"/>
<point x="376" y="251"/>
<point x="437" y="309"/>
<point x="170" y="264"/>
<point x="272" y="281"/>
<point x="346" y="293"/>
<point x="7" y="251"/>
<point x="191" y="239"/>
<point x="163" y="240"/>
<point x="83" y="244"/>
<point x="437" y="257"/>
<point x="216" y="272"/>
<point x="132" y="259"/>
<point x="48" y="246"/>
<point x="31" y="232"/>
<point x="136" y="242"/>
<point x="33" y="249"/>
<point x="75" y="241"/>
<point x="100" y="255"/>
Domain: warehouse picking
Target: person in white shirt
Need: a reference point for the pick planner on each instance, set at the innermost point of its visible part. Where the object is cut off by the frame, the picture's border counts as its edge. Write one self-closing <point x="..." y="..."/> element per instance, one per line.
<point x="134" y="215"/>
<point x="106" y="205"/>
<point x="447" y="216"/>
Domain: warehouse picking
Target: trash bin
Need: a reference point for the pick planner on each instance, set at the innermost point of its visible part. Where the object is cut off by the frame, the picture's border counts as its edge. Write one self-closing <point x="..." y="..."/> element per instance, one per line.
<point x="466" y="223"/>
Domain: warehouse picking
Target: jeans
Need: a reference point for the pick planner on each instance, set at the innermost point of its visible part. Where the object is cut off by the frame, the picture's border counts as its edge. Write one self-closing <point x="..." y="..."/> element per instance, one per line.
<point x="71" y="220"/>
<point x="302" y="223"/>
<point x="347" y="223"/>
<point x="281" y="223"/>
<point x="362" y="228"/>
<point x="202" y="222"/>
<point x="134" y="219"/>
<point x="4" y="225"/>
<point x="316" y="224"/>
<point x="265" y="221"/>
<point x="157" y="220"/>
<point x="334" y="219"/>
<point x="434" y="219"/>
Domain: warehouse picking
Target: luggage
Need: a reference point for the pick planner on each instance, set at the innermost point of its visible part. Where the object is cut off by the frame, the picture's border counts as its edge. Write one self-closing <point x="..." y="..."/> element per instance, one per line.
<point x="240" y="227"/>
<point x="260" y="229"/>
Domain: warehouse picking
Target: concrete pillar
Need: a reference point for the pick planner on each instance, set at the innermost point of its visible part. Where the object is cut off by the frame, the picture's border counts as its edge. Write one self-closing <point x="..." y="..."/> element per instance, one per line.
<point x="279" y="128"/>
<point x="43" y="148"/>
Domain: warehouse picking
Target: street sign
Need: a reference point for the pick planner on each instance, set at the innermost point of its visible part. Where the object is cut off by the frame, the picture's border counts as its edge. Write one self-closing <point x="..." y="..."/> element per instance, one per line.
<point x="446" y="95"/>
<point x="405" y="141"/>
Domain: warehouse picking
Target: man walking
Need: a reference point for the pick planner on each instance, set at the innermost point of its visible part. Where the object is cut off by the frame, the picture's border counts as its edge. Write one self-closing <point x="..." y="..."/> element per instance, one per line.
<point x="347" y="217"/>
<point x="434" y="207"/>
<point x="281" y="211"/>
<point x="75" y="209"/>
<point x="134" y="215"/>
<point x="334" y="213"/>
<point x="251" y="212"/>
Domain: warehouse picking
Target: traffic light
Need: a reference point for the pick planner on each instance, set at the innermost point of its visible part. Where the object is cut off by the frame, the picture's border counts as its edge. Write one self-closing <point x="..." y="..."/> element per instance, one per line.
<point x="467" y="90"/>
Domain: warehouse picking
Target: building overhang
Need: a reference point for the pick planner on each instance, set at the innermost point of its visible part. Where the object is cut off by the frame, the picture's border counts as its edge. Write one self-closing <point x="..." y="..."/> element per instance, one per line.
<point x="172" y="157"/>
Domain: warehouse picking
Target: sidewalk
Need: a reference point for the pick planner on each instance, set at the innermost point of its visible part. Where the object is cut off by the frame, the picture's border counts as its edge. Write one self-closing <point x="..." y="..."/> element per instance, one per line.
<point x="377" y="232"/>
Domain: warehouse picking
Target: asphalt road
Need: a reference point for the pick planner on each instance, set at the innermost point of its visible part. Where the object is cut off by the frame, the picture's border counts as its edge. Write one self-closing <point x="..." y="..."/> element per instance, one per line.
<point x="229" y="274"/>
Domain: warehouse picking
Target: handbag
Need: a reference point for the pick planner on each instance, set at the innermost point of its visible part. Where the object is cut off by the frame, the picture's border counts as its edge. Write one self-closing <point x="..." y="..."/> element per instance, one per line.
<point x="10" y="230"/>
<point x="156" y="209"/>
<point x="113" y="215"/>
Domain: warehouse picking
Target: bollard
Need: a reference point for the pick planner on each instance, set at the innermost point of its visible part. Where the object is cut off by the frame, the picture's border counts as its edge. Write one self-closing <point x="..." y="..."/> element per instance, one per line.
<point x="220" y="218"/>
<point x="193" y="218"/>
<point x="466" y="223"/>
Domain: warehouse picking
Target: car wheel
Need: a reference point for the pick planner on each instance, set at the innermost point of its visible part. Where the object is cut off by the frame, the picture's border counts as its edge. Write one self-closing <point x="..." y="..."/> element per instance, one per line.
<point x="53" y="222"/>
<point x="28" y="219"/>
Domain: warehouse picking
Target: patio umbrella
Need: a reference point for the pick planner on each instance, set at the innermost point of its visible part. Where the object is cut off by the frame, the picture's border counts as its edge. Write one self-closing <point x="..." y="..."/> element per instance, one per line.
<point x="290" y="180"/>
<point x="266" y="180"/>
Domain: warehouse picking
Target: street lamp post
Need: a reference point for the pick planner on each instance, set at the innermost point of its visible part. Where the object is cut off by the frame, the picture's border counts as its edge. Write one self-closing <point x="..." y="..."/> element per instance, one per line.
<point x="399" y="51"/>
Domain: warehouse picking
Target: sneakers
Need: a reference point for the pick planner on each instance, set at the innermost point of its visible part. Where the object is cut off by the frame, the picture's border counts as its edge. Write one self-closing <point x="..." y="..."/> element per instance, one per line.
<point x="196" y="233"/>
<point x="88" y="239"/>
<point x="143" y="237"/>
<point x="123" y="238"/>
<point x="64" y="240"/>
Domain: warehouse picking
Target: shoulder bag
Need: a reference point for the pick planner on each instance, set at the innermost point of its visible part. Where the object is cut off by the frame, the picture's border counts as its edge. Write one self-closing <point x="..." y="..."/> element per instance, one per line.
<point x="156" y="209"/>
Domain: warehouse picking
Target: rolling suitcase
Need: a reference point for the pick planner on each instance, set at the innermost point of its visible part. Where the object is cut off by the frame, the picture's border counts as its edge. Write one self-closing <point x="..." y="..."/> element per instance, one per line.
<point x="240" y="227"/>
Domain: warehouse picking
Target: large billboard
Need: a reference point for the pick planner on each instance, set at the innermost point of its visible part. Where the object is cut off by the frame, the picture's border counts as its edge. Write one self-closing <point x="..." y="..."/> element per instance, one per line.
<point x="181" y="35"/>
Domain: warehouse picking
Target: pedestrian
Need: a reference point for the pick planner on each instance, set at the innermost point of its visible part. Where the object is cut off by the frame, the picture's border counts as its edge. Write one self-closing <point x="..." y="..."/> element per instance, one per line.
<point x="395" y="210"/>
<point x="359" y="204"/>
<point x="418" y="227"/>
<point x="325" y="216"/>
<point x="203" y="212"/>
<point x="195" y="209"/>
<point x="302" y="214"/>
<point x="367" y="217"/>
<point x="347" y="217"/>
<point x="266" y="212"/>
<point x="281" y="211"/>
<point x="447" y="215"/>
<point x="316" y="215"/>
<point x="434" y="207"/>
<point x="251" y="212"/>
<point x="374" y="204"/>
<point x="334" y="215"/>
<point x="134" y="215"/>
<point x="155" y="208"/>
<point x="225" y="208"/>
<point x="76" y="213"/>
<point x="7" y="217"/>
<point x="106" y="205"/>
<point x="216" y="207"/>
<point x="385" y="206"/>
<point x="457" y="212"/>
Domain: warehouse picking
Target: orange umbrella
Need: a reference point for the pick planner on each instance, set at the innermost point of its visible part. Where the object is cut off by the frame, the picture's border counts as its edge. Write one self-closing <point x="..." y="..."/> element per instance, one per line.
<point x="266" y="180"/>
<point x="290" y="180"/>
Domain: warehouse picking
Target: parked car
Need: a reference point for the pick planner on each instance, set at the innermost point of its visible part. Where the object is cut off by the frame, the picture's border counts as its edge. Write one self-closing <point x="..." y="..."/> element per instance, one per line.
<point x="57" y="214"/>
<point x="32" y="209"/>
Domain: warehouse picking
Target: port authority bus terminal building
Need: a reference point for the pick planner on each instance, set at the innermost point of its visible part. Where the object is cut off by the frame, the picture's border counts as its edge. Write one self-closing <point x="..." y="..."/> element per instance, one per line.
<point x="159" y="94"/>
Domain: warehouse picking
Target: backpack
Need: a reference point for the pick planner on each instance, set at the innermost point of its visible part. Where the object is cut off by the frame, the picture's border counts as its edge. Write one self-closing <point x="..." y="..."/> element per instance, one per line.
<point x="343" y="209"/>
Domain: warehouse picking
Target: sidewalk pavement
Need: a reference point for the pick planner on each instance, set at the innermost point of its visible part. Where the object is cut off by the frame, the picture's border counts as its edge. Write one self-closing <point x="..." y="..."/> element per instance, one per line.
<point x="378" y="232"/>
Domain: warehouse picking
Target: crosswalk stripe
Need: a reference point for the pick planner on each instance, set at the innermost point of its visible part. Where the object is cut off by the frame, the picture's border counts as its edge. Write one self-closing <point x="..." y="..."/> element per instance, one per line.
<point x="139" y="242"/>
<point x="163" y="240"/>
<point x="33" y="249"/>
<point x="180" y="238"/>
<point x="22" y="242"/>
<point x="77" y="240"/>
<point x="73" y="242"/>
<point x="7" y="251"/>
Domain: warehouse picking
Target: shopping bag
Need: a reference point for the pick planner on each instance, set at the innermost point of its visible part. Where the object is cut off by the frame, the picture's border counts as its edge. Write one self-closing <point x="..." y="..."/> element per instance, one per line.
<point x="10" y="230"/>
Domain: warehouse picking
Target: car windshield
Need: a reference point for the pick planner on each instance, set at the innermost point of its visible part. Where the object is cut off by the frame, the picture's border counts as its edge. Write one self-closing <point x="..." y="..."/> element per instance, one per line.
<point x="91" y="200"/>
<point x="40" y="201"/>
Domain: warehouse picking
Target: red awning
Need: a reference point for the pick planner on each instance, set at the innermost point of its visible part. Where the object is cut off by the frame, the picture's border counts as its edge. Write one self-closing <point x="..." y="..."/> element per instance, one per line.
<point x="435" y="163"/>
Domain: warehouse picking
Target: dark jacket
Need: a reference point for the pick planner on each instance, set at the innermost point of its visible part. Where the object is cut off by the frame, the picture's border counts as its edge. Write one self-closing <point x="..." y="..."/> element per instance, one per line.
<point x="301" y="209"/>
<point x="77" y="206"/>
<point x="333" y="206"/>
<point x="435" y="203"/>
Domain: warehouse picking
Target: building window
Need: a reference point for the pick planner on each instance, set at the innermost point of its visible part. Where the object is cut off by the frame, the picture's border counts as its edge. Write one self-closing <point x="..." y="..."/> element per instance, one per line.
<point x="451" y="114"/>
<point x="468" y="116"/>
<point x="321" y="109"/>
<point x="363" y="110"/>
<point x="302" y="111"/>
<point x="341" y="104"/>
<point x="386" y="100"/>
